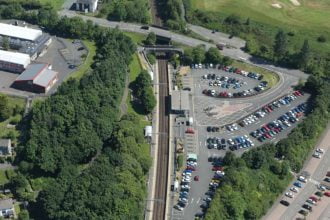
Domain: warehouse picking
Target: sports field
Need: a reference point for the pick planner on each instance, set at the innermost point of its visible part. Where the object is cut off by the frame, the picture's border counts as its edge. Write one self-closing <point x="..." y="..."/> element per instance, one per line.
<point x="309" y="14"/>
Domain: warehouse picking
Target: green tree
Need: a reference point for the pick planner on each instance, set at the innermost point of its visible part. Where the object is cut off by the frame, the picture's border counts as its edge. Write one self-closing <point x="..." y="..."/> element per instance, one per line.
<point x="229" y="158"/>
<point x="152" y="58"/>
<point x="280" y="44"/>
<point x="23" y="215"/>
<point x="5" y="43"/>
<point x="148" y="99"/>
<point x="304" y="55"/>
<point x="213" y="56"/>
<point x="198" y="54"/>
<point x="5" y="110"/>
<point x="151" y="39"/>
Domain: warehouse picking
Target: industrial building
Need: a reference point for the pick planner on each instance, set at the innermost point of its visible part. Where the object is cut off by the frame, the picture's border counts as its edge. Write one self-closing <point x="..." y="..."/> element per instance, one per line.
<point x="13" y="61"/>
<point x="25" y="40"/>
<point x="180" y="102"/>
<point x="38" y="78"/>
<point x="86" y="5"/>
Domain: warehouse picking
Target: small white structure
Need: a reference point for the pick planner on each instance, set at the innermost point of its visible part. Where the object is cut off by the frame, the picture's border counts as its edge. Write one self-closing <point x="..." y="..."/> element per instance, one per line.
<point x="89" y="5"/>
<point x="6" y="208"/>
<point x="5" y="147"/>
<point x="148" y="131"/>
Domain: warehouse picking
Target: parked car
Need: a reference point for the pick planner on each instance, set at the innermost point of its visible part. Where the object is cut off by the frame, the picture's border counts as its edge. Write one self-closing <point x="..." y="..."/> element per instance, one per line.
<point x="319" y="150"/>
<point x="294" y="189"/>
<point x="283" y="202"/>
<point x="303" y="212"/>
<point x="327" y="194"/>
<point x="317" y="155"/>
<point x="310" y="201"/>
<point x="289" y="194"/>
<point x="297" y="184"/>
<point x="302" y="179"/>
<point x="308" y="207"/>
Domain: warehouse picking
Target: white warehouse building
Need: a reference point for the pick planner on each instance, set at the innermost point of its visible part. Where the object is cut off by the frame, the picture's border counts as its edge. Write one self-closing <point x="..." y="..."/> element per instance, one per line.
<point x="13" y="61"/>
<point x="17" y="32"/>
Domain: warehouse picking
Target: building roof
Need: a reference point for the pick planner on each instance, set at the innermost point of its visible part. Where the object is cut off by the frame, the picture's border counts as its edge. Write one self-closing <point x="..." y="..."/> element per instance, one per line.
<point x="180" y="100"/>
<point x="38" y="73"/>
<point x="5" y="142"/>
<point x="45" y="77"/>
<point x="19" y="32"/>
<point x="14" y="57"/>
<point x="6" y="204"/>
<point x="148" y="131"/>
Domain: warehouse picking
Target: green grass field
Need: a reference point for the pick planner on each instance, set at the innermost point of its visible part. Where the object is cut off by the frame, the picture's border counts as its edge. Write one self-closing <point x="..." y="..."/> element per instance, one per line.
<point x="309" y="20"/>
<point x="57" y="4"/>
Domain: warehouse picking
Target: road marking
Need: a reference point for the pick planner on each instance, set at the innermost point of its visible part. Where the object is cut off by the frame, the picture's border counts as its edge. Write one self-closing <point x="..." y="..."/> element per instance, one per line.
<point x="192" y="200"/>
<point x="199" y="199"/>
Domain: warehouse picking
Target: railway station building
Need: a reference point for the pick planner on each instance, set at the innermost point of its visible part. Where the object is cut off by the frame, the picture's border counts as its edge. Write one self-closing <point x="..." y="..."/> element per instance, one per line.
<point x="180" y="102"/>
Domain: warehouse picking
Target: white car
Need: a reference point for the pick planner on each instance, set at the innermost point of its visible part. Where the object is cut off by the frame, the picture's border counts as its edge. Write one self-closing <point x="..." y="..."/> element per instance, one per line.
<point x="178" y="207"/>
<point x="317" y="155"/>
<point x="185" y="187"/>
<point x="289" y="194"/>
<point x="320" y="150"/>
<point x="321" y="187"/>
<point x="294" y="189"/>
<point x="302" y="179"/>
<point x="310" y="201"/>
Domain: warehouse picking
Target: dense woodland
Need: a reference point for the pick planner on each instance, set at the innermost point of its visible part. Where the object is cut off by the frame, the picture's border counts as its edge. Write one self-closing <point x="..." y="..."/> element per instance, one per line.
<point x="89" y="163"/>
<point x="254" y="181"/>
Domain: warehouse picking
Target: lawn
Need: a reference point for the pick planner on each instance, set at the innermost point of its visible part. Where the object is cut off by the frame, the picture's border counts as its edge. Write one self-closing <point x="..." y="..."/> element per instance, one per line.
<point x="13" y="101"/>
<point x="309" y="20"/>
<point x="86" y="66"/>
<point x="269" y="76"/>
<point x="57" y="4"/>
<point x="136" y="38"/>
<point x="3" y="176"/>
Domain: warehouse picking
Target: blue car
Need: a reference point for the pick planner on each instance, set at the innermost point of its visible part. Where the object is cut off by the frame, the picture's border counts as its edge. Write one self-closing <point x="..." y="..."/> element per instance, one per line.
<point x="297" y="184"/>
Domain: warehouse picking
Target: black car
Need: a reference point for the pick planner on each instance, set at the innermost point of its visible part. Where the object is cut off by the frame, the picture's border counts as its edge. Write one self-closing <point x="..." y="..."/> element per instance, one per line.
<point x="327" y="179"/>
<point x="308" y="207"/>
<point x="209" y="129"/>
<point x="187" y="89"/>
<point x="283" y="202"/>
<point x="145" y="27"/>
<point x="303" y="212"/>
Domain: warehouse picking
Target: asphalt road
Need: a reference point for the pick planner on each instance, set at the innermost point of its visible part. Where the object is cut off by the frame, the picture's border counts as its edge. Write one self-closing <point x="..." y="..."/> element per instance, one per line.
<point x="318" y="169"/>
<point x="235" y="53"/>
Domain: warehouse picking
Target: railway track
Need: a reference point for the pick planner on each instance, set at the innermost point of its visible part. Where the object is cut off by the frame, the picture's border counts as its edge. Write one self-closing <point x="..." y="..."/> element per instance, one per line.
<point x="159" y="209"/>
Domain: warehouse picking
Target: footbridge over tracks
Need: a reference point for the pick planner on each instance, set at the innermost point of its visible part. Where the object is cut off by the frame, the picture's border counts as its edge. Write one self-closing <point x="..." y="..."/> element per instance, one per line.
<point x="163" y="48"/>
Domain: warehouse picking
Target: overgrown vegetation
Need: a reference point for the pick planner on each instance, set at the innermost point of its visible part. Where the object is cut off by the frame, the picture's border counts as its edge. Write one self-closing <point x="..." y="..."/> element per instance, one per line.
<point x="254" y="181"/>
<point x="83" y="162"/>
<point x="127" y="10"/>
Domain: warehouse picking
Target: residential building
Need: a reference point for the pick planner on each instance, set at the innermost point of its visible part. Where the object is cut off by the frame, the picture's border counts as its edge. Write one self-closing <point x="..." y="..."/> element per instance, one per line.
<point x="6" y="208"/>
<point x="89" y="5"/>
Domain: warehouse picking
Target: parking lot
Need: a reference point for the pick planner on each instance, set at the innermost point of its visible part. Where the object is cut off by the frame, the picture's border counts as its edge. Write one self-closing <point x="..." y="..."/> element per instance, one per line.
<point x="216" y="134"/>
<point x="53" y="57"/>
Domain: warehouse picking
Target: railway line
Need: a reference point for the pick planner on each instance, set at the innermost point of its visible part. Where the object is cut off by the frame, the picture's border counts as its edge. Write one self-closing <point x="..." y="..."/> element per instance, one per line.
<point x="159" y="209"/>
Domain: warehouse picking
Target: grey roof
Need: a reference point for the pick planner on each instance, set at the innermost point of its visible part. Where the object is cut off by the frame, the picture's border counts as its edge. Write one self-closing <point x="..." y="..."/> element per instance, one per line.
<point x="180" y="100"/>
<point x="39" y="73"/>
<point x="44" y="78"/>
<point x="31" y="71"/>
<point x="4" y="142"/>
<point x="6" y="204"/>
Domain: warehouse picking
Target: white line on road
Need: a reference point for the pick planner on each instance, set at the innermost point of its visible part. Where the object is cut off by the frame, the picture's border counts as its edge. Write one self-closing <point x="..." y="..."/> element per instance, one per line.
<point x="199" y="199"/>
<point x="192" y="200"/>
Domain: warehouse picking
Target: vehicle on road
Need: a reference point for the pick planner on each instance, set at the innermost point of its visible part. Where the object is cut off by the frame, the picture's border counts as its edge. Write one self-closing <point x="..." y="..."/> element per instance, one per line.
<point x="196" y="178"/>
<point x="289" y="194"/>
<point x="283" y="202"/>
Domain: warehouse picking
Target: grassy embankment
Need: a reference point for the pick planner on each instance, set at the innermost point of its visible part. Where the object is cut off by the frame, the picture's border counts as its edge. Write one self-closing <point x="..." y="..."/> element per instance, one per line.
<point x="307" y="21"/>
<point x="57" y="4"/>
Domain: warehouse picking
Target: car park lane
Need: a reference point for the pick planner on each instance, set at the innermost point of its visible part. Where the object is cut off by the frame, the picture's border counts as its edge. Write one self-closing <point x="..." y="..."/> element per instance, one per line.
<point x="317" y="168"/>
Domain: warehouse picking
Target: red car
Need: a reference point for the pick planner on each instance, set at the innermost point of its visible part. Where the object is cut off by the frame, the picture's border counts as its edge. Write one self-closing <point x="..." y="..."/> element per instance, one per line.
<point x="328" y="174"/>
<point x="217" y="168"/>
<point x="191" y="168"/>
<point x="313" y="198"/>
<point x="190" y="131"/>
<point x="196" y="178"/>
<point x="327" y="194"/>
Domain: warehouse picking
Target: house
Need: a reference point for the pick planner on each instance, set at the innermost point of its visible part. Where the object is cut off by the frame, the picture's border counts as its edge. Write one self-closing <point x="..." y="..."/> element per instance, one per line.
<point x="6" y="208"/>
<point x="5" y="147"/>
<point x="89" y="5"/>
